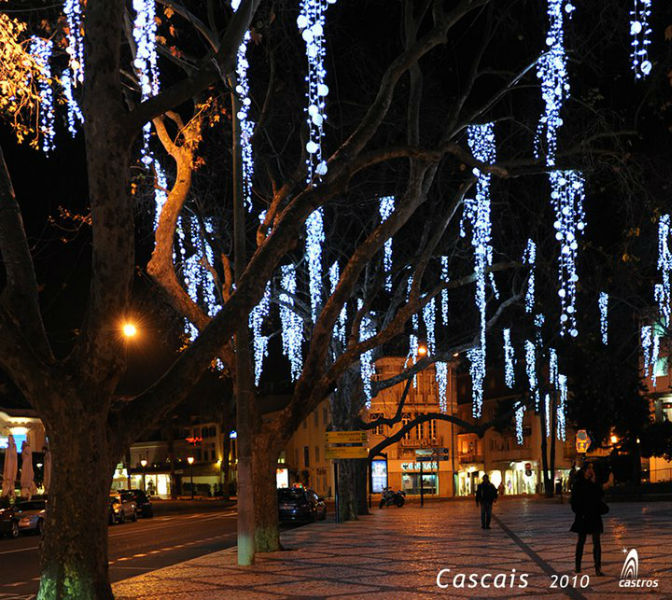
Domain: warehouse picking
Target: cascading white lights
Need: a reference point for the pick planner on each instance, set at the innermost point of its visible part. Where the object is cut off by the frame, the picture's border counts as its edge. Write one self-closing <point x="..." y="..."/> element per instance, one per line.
<point x="603" y="303"/>
<point x="442" y="383"/>
<point x="530" y="258"/>
<point x="531" y="370"/>
<point x="260" y="341"/>
<point x="509" y="360"/>
<point x="445" y="278"/>
<point x="640" y="37"/>
<point x="567" y="197"/>
<point x="311" y="21"/>
<point x="481" y="140"/>
<point x="339" y="329"/>
<point x="553" y="367"/>
<point x="314" y="240"/>
<point x="160" y="191"/>
<point x="146" y="63"/>
<point x="291" y="322"/>
<point x="386" y="208"/>
<point x="367" y="329"/>
<point x="519" y="416"/>
<point x="646" y="340"/>
<point x="429" y="317"/>
<point x="243" y="115"/>
<point x="413" y="337"/>
<point x="73" y="74"/>
<point x="74" y="112"/>
<point x="547" y="411"/>
<point x="561" y="418"/>
<point x="662" y="289"/>
<point x="552" y="71"/>
<point x="41" y="50"/>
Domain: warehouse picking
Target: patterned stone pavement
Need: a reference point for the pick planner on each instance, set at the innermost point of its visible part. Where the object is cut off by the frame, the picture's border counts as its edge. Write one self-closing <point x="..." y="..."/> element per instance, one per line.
<point x="396" y="554"/>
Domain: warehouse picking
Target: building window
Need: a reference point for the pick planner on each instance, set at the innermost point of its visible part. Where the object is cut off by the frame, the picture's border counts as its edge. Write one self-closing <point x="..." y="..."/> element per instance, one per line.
<point x="317" y="454"/>
<point x="431" y="429"/>
<point x="306" y="456"/>
<point x="405" y="420"/>
<point x="420" y="431"/>
<point x="296" y="457"/>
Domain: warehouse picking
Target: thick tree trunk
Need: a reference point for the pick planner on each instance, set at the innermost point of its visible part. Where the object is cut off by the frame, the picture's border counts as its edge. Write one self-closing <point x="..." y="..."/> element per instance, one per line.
<point x="548" y="486"/>
<point x="362" y="476"/>
<point x="74" y="548"/>
<point x="264" y="490"/>
<point x="348" y="502"/>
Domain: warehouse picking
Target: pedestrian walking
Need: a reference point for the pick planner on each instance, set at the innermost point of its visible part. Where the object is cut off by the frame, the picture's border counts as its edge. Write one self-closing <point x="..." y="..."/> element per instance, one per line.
<point x="486" y="494"/>
<point x="588" y="506"/>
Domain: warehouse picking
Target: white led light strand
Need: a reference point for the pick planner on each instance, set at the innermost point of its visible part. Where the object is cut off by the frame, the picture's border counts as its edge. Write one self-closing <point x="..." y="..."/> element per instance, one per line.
<point x="567" y="196"/>
<point x="519" y="415"/>
<point x="412" y="338"/>
<point x="367" y="329"/>
<point x="530" y="258"/>
<point x="476" y="358"/>
<point x="145" y="63"/>
<point x="603" y="303"/>
<point x="429" y="317"/>
<point x="647" y="344"/>
<point x="292" y="325"/>
<point x="246" y="124"/>
<point x="74" y="112"/>
<point x="41" y="50"/>
<point x="339" y="329"/>
<point x="311" y="23"/>
<point x="552" y="71"/>
<point x="547" y="408"/>
<point x="73" y="16"/>
<point x="509" y="360"/>
<point x="531" y="370"/>
<point x="442" y="382"/>
<point x="662" y="289"/>
<point x="640" y="37"/>
<point x="314" y="240"/>
<point x="260" y="341"/>
<point x="160" y="191"/>
<point x="562" y="407"/>
<point x="445" y="278"/>
<point x="553" y="367"/>
<point x="386" y="208"/>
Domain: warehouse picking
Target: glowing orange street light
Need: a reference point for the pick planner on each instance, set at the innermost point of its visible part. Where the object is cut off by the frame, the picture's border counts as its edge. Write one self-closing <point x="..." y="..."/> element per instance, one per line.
<point x="190" y="460"/>
<point x="422" y="350"/>
<point x="613" y="439"/>
<point x="129" y="330"/>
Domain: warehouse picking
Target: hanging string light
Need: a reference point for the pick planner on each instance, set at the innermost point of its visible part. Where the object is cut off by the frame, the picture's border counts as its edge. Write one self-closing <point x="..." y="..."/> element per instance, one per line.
<point x="567" y="197"/>
<point x="412" y="338"/>
<point x="245" y="123"/>
<point x="604" y="323"/>
<point x="160" y="191"/>
<point x="530" y="258"/>
<point x="553" y="367"/>
<point x="291" y="323"/>
<point x="519" y="416"/>
<point x="509" y="360"/>
<point x="640" y="37"/>
<point x="145" y="63"/>
<point x="260" y="341"/>
<point x="476" y="358"/>
<point x="445" y="278"/>
<point x="442" y="383"/>
<point x="367" y="329"/>
<point x="386" y="208"/>
<point x="74" y="112"/>
<point x="41" y="50"/>
<point x="311" y="23"/>
<point x="562" y="407"/>
<point x="75" y="49"/>
<point x="531" y="370"/>
<point x="662" y="290"/>
<point x="552" y="71"/>
<point x="314" y="240"/>
<point x="429" y="317"/>
<point x="647" y="345"/>
<point x="547" y="408"/>
<point x="339" y="329"/>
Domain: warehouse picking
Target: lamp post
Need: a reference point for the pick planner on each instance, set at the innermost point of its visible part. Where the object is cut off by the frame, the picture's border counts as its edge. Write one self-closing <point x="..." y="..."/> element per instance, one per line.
<point x="143" y="462"/>
<point x="190" y="460"/>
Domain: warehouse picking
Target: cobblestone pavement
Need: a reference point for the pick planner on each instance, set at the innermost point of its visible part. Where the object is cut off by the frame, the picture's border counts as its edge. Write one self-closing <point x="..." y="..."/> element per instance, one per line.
<point x="396" y="554"/>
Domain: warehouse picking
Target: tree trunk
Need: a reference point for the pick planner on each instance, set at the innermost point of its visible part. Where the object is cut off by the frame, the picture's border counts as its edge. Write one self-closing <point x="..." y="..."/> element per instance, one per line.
<point x="264" y="491"/>
<point x="74" y="548"/>
<point x="550" y="493"/>
<point x="361" y="485"/>
<point x="544" y="448"/>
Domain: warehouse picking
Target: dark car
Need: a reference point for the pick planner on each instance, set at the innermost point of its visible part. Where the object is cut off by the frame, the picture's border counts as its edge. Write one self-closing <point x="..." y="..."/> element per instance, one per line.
<point x="300" y="504"/>
<point x="121" y="508"/>
<point x="31" y="515"/>
<point x="143" y="505"/>
<point x="9" y="522"/>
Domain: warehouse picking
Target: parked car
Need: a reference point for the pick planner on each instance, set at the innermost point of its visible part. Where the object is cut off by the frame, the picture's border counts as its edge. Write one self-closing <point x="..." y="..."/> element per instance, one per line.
<point x="9" y="522"/>
<point x="31" y="515"/>
<point x="121" y="508"/>
<point x="300" y="504"/>
<point x="143" y="505"/>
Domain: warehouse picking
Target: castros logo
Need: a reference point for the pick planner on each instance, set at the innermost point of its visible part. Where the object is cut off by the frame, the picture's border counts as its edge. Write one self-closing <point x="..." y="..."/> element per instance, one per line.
<point x="630" y="571"/>
<point x="444" y="579"/>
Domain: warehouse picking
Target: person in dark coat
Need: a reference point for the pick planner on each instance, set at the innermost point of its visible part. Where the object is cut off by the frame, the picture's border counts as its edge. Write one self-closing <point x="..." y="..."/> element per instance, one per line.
<point x="588" y="507"/>
<point x="486" y="494"/>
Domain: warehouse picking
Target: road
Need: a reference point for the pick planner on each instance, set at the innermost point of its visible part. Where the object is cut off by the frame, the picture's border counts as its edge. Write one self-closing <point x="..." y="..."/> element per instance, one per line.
<point x="134" y="548"/>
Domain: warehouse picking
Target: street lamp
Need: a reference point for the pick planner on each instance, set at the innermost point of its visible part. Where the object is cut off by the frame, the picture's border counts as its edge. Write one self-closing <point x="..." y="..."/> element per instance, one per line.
<point x="422" y="350"/>
<point x="190" y="460"/>
<point x="613" y="439"/>
<point x="143" y="462"/>
<point x="129" y="330"/>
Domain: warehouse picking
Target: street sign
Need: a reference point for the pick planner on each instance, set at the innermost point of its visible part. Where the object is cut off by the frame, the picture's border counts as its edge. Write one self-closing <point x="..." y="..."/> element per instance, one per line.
<point x="346" y="437"/>
<point x="582" y="441"/>
<point x="424" y="459"/>
<point x="346" y="452"/>
<point x="424" y="452"/>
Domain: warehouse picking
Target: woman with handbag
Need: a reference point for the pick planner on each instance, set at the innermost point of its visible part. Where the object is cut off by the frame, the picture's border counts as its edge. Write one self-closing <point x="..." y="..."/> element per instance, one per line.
<point x="588" y="507"/>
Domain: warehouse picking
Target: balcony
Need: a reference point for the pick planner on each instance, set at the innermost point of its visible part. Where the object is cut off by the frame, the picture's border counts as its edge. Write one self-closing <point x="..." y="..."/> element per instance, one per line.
<point x="435" y="442"/>
<point x="470" y="457"/>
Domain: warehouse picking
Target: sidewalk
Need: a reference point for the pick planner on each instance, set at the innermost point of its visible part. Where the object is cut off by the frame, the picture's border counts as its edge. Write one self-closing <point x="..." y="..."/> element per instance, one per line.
<point x="396" y="554"/>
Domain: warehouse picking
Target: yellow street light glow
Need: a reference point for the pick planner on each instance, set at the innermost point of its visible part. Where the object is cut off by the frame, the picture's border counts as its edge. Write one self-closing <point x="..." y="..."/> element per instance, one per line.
<point x="190" y="460"/>
<point x="614" y="439"/>
<point x="422" y="350"/>
<point x="129" y="330"/>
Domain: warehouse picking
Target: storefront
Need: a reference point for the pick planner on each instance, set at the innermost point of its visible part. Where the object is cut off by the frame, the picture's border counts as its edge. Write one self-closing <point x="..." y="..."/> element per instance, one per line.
<point x="520" y="478"/>
<point x="468" y="479"/>
<point x="412" y="479"/>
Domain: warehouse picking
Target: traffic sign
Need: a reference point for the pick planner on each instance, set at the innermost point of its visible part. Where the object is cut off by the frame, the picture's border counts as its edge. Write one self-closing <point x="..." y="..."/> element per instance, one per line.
<point x="582" y="441"/>
<point x="346" y="437"/>
<point x="346" y="452"/>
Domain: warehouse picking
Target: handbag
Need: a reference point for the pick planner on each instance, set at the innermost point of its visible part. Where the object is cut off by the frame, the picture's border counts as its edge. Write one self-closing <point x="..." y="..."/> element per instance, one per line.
<point x="604" y="507"/>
